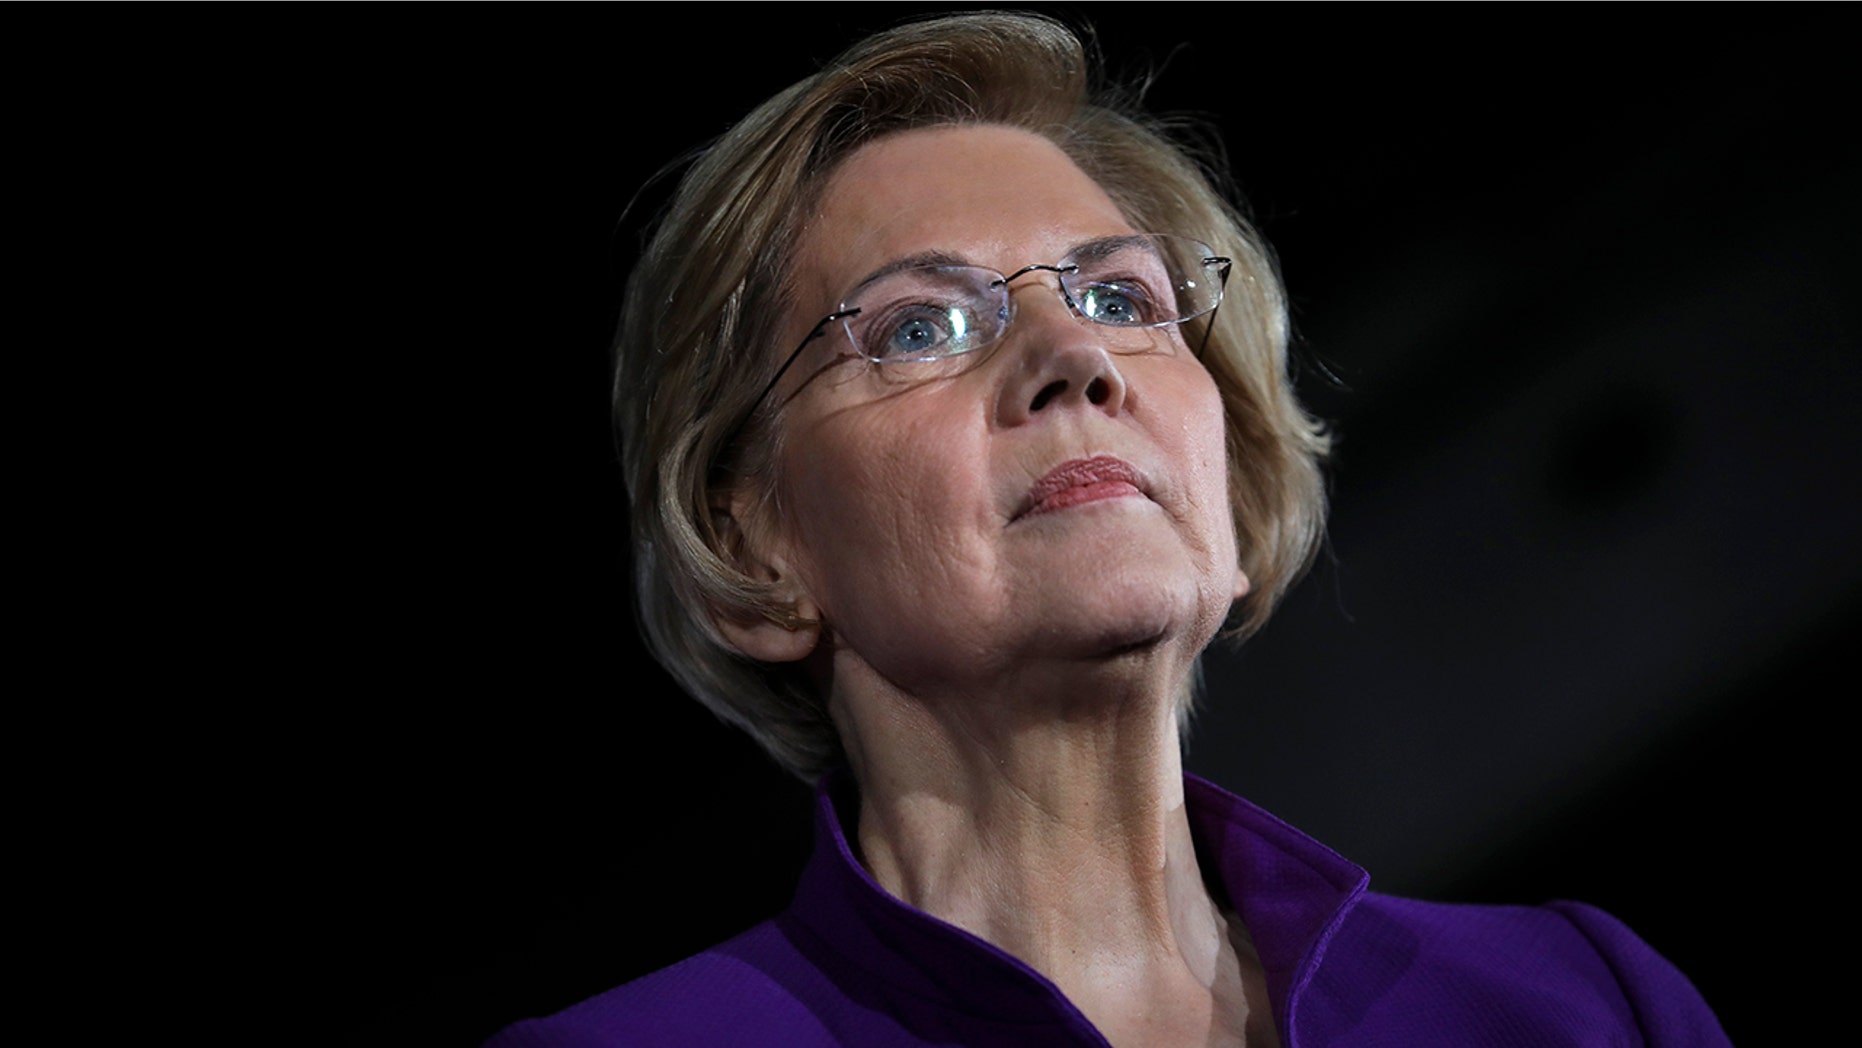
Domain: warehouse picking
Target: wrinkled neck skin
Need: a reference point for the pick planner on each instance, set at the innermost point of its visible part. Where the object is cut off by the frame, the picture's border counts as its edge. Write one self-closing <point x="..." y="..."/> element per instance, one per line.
<point x="1045" y="814"/>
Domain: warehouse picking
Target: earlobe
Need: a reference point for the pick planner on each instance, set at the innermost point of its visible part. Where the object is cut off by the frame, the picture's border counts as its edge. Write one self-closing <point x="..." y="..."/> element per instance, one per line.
<point x="785" y="632"/>
<point x="773" y="636"/>
<point x="1242" y="585"/>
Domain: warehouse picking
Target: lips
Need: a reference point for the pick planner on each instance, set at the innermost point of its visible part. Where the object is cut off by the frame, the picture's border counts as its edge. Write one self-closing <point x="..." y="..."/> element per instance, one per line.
<point x="1078" y="482"/>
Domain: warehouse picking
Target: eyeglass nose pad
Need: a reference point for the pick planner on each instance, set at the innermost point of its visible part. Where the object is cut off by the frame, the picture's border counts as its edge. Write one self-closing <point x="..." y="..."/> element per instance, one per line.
<point x="1061" y="273"/>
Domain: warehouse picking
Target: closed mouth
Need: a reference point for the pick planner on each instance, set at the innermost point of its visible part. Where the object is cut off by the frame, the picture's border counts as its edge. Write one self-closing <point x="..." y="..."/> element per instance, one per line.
<point x="1078" y="482"/>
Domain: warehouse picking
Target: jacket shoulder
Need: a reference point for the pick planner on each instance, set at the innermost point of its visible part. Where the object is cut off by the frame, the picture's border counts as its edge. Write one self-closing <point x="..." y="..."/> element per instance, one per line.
<point x="1669" y="1010"/>
<point x="1562" y="973"/>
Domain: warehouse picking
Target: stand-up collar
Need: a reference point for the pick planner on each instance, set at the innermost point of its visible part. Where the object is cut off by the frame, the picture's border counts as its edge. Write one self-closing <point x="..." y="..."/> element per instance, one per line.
<point x="1290" y="891"/>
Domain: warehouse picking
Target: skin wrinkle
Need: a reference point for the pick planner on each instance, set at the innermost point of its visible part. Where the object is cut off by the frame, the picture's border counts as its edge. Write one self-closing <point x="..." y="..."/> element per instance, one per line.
<point x="1006" y="688"/>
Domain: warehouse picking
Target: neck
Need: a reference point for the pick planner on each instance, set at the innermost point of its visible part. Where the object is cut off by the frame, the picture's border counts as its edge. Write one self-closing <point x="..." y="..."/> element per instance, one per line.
<point x="1048" y="818"/>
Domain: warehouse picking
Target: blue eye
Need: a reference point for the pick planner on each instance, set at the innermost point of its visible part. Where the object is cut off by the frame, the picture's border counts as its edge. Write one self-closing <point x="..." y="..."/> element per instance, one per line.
<point x="1114" y="304"/>
<point x="916" y="332"/>
<point x="914" y="337"/>
<point x="926" y="313"/>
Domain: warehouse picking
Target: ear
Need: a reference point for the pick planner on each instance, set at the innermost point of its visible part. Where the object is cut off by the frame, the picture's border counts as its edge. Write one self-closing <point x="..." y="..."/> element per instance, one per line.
<point x="1242" y="585"/>
<point x="770" y="636"/>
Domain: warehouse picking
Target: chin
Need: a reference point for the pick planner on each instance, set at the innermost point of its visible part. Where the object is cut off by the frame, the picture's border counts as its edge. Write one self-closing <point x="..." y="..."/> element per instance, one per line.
<point x="1134" y="610"/>
<point x="1137" y="585"/>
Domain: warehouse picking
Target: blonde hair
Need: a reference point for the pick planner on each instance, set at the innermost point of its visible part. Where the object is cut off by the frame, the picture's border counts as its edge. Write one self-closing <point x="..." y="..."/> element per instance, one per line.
<point x="704" y="303"/>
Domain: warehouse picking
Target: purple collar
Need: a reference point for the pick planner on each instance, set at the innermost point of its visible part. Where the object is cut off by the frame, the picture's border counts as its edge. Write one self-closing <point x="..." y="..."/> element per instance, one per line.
<point x="1291" y="892"/>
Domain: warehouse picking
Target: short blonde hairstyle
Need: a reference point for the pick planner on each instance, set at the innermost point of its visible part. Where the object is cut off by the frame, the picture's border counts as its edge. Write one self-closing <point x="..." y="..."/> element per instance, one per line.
<point x="708" y="296"/>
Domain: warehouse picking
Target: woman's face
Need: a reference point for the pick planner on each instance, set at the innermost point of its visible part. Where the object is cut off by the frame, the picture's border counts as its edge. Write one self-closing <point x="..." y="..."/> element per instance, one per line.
<point x="1059" y="497"/>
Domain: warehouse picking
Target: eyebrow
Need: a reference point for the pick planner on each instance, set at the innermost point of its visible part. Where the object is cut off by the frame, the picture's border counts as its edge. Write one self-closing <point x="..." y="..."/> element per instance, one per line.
<point x="1098" y="247"/>
<point x="918" y="261"/>
<point x="1105" y="247"/>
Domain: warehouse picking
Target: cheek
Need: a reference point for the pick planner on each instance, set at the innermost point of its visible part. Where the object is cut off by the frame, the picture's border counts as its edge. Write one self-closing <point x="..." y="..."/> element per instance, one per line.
<point x="876" y="499"/>
<point x="1205" y="448"/>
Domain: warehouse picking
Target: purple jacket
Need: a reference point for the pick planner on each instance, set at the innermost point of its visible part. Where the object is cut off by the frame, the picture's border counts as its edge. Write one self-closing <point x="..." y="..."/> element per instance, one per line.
<point x="850" y="965"/>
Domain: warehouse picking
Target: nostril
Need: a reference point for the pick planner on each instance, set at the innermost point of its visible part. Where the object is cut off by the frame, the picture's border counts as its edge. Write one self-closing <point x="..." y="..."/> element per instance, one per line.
<point x="1047" y="394"/>
<point x="1098" y="392"/>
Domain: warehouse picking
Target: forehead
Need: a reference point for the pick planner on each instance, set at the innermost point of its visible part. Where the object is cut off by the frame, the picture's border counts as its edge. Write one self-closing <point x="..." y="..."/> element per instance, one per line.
<point x="990" y="196"/>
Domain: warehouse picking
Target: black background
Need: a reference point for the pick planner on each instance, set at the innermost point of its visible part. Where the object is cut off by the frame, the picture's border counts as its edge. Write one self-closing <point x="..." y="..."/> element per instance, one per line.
<point x="1587" y="283"/>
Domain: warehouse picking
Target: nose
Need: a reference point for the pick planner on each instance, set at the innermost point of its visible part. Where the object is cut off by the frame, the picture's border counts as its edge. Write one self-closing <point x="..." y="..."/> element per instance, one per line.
<point x="1057" y="361"/>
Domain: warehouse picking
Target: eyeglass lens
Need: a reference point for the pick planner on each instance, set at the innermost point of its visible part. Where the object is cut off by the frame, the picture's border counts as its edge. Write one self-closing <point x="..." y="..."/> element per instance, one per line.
<point x="930" y="312"/>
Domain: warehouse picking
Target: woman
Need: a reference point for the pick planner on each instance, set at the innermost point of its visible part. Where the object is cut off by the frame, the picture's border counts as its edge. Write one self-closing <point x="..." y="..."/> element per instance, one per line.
<point x="956" y="423"/>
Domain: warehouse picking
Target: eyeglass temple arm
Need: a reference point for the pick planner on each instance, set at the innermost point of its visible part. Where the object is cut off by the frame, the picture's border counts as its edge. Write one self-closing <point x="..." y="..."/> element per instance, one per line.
<point x="1222" y="276"/>
<point x="814" y="333"/>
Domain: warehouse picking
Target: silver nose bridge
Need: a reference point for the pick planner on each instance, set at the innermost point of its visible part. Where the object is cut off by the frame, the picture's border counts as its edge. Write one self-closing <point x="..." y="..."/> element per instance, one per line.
<point x="1060" y="272"/>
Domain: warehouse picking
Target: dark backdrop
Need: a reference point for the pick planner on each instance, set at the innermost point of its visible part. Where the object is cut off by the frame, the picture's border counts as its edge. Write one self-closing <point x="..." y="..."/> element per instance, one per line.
<point x="1588" y="292"/>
